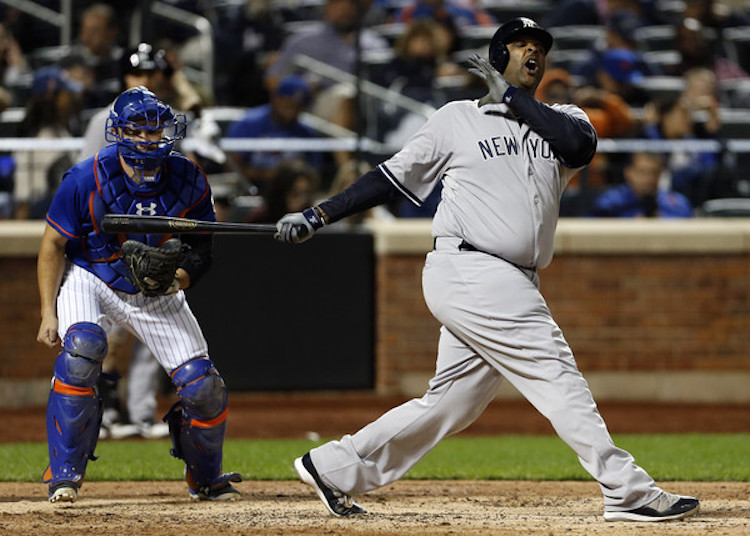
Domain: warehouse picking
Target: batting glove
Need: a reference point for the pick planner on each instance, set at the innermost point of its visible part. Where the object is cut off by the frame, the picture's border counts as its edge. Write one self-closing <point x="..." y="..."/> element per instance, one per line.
<point x="297" y="227"/>
<point x="496" y="82"/>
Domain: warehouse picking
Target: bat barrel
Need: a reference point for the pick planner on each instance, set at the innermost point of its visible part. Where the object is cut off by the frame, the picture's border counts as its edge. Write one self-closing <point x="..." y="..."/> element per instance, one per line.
<point x="126" y="223"/>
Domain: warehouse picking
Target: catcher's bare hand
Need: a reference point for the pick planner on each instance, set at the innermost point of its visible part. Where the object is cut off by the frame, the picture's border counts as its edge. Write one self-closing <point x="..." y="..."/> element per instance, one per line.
<point x="47" y="333"/>
<point x="496" y="82"/>
<point x="153" y="270"/>
<point x="174" y="288"/>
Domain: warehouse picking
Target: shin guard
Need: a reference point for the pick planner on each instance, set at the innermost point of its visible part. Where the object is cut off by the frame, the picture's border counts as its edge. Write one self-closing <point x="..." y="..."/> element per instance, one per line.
<point x="73" y="408"/>
<point x="197" y="424"/>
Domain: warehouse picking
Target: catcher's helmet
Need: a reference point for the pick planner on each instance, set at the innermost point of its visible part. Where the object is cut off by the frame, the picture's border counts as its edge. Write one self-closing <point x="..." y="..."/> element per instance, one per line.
<point x="136" y="117"/>
<point x="508" y="32"/>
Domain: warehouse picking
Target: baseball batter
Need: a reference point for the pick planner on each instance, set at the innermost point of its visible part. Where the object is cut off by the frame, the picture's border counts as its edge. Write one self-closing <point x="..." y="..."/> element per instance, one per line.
<point x="86" y="288"/>
<point x="504" y="161"/>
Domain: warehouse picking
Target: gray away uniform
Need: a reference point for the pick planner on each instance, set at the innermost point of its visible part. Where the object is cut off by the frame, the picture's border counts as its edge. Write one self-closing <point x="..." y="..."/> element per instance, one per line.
<point x="502" y="185"/>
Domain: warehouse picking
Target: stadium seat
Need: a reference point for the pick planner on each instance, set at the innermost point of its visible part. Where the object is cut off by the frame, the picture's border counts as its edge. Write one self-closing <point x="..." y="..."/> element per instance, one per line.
<point x="578" y="37"/>
<point x="504" y="10"/>
<point x="737" y="45"/>
<point x="662" y="58"/>
<point x="662" y="87"/>
<point x="734" y="123"/>
<point x="654" y="38"/>
<point x="726" y="208"/>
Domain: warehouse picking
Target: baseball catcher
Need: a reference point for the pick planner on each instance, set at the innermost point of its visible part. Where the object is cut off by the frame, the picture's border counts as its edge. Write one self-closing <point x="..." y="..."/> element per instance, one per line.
<point x="91" y="281"/>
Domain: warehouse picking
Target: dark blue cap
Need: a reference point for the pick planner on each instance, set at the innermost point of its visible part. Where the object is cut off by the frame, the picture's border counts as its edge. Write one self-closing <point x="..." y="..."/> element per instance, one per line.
<point x="294" y="86"/>
<point x="623" y="65"/>
<point x="52" y="78"/>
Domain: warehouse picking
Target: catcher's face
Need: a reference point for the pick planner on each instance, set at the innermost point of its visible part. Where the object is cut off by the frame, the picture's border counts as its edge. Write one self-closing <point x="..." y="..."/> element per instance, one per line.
<point x="142" y="137"/>
<point x="526" y="63"/>
<point x="144" y="140"/>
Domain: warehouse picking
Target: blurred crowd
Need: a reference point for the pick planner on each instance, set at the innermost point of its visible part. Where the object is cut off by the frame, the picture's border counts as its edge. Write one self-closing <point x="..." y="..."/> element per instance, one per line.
<point x="650" y="70"/>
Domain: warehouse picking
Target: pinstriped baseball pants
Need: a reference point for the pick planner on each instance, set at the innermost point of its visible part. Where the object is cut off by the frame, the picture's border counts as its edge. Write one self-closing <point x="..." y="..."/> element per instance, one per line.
<point x="165" y="324"/>
<point x="496" y="325"/>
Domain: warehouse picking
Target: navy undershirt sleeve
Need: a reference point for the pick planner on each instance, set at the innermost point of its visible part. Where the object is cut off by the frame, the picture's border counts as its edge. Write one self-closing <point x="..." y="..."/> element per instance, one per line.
<point x="370" y="190"/>
<point x="573" y="140"/>
<point x="198" y="261"/>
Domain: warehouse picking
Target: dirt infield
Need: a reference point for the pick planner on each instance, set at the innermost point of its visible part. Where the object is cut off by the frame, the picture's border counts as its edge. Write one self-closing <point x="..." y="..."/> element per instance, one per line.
<point x="414" y="508"/>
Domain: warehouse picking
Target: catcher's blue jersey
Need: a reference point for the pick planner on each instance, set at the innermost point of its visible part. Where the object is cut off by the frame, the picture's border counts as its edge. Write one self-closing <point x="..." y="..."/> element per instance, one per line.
<point x="98" y="185"/>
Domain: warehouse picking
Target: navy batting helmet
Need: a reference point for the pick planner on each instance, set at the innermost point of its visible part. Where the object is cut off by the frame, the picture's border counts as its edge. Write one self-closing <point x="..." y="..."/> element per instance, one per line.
<point x="508" y="32"/>
<point x="143" y="57"/>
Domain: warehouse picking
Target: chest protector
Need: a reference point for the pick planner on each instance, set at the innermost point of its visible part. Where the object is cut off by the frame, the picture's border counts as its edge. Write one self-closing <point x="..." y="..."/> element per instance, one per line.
<point x="182" y="187"/>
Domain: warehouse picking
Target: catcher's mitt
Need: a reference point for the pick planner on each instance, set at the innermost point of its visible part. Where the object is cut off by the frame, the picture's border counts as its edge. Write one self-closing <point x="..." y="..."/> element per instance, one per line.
<point x="152" y="269"/>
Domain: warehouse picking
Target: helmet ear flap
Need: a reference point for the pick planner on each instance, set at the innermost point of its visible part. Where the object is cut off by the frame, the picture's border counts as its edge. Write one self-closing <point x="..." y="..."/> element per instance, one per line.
<point x="499" y="56"/>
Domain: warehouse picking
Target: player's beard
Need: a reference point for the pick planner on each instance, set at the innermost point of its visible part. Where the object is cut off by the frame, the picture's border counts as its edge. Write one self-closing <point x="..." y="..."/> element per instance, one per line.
<point x="530" y="80"/>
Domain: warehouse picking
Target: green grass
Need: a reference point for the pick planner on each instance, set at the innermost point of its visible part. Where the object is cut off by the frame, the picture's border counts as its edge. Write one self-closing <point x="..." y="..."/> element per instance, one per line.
<point x="706" y="457"/>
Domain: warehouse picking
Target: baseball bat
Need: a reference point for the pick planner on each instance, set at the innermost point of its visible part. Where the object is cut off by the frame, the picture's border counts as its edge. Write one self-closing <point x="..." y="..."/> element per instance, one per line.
<point x="131" y="223"/>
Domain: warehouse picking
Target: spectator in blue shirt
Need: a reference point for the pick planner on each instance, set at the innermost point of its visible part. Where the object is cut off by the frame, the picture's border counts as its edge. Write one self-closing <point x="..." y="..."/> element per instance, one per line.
<point x="695" y="174"/>
<point x="278" y="119"/>
<point x="640" y="196"/>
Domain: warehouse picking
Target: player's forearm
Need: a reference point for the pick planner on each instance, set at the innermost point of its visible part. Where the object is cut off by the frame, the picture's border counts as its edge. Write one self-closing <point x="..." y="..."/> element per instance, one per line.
<point x="572" y="139"/>
<point x="370" y="190"/>
<point x="50" y="268"/>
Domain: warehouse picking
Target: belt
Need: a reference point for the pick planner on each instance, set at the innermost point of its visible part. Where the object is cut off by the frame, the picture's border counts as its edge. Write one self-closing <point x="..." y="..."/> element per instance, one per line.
<point x="465" y="246"/>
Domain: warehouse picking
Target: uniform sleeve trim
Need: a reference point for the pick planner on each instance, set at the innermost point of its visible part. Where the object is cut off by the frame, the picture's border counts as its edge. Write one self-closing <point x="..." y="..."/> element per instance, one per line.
<point x="96" y="174"/>
<point x="91" y="212"/>
<point x="59" y="228"/>
<point x="392" y="178"/>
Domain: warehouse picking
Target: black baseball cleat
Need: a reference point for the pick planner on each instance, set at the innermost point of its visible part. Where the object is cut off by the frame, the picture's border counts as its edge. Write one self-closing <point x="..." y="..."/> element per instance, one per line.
<point x="336" y="502"/>
<point x="666" y="507"/>
<point x="221" y="490"/>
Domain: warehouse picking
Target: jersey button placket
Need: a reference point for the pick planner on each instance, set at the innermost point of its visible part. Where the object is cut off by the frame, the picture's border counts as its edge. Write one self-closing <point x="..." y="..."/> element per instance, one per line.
<point x="537" y="214"/>
<point x="534" y="195"/>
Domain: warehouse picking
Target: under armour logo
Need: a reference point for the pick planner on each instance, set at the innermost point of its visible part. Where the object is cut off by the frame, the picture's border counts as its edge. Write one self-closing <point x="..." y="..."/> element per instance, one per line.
<point x="148" y="211"/>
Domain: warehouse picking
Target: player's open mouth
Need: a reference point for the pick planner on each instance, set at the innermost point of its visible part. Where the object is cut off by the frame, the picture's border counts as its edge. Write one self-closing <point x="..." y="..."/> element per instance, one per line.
<point x="532" y="65"/>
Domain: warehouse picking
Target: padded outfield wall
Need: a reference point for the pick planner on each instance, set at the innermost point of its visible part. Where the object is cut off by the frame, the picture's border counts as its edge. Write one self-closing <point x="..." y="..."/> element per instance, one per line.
<point x="654" y="310"/>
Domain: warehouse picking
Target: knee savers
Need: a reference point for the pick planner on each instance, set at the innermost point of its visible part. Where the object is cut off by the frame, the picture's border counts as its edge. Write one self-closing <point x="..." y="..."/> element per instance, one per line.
<point x="197" y="423"/>
<point x="73" y="408"/>
<point x="201" y="389"/>
<point x="84" y="349"/>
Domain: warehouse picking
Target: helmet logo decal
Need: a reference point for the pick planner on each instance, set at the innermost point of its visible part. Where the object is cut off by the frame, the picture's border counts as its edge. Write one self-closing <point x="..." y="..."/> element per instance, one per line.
<point x="150" y="210"/>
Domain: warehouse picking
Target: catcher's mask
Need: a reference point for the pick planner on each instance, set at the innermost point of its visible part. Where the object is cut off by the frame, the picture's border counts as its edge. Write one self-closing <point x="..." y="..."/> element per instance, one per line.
<point x="145" y="130"/>
<point x="509" y="32"/>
